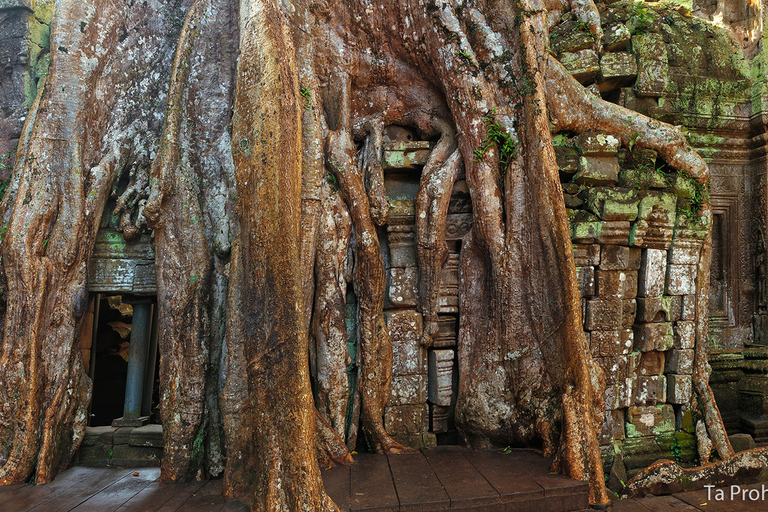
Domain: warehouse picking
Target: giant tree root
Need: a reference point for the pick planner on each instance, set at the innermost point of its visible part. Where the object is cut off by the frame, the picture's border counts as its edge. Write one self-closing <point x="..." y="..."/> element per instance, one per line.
<point x="667" y="477"/>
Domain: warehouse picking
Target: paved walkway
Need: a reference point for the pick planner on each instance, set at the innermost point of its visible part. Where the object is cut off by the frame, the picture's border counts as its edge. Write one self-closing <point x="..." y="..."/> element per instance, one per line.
<point x="446" y="478"/>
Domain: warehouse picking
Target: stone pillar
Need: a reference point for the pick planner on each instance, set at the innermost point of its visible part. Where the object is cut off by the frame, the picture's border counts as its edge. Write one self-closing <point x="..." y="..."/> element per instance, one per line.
<point x="137" y="365"/>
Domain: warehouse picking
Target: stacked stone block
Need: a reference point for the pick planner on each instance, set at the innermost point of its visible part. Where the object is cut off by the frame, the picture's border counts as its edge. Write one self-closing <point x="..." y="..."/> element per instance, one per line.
<point x="637" y="264"/>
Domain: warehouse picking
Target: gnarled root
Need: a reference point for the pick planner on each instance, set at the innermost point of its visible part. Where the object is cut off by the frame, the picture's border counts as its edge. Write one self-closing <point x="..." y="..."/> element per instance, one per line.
<point x="574" y="108"/>
<point x="437" y="180"/>
<point x="329" y="328"/>
<point x="374" y="173"/>
<point x="375" y="369"/>
<point x="667" y="477"/>
<point x="330" y="446"/>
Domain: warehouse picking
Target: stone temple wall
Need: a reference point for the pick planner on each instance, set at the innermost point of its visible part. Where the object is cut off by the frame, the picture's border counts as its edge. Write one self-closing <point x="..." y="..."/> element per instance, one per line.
<point x="636" y="236"/>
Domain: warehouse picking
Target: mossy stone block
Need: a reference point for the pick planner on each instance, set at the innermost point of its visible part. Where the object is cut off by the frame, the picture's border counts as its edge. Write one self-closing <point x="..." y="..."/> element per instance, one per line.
<point x="597" y="170"/>
<point x="568" y="38"/>
<point x="619" y="66"/>
<point x="567" y="159"/>
<point x="612" y="203"/>
<point x="649" y="420"/>
<point x="651" y="54"/>
<point x="617" y="37"/>
<point x="583" y="65"/>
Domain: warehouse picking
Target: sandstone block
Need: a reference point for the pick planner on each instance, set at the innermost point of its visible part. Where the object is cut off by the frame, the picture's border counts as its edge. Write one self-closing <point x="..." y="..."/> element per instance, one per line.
<point x="651" y="53"/>
<point x="615" y="368"/>
<point x="612" y="203"/>
<point x="597" y="170"/>
<point x="650" y="363"/>
<point x="567" y="159"/>
<point x="611" y="343"/>
<point x="688" y="307"/>
<point x="609" y="314"/>
<point x="620" y="284"/>
<point x="649" y="390"/>
<point x="612" y="428"/>
<point x="681" y="279"/>
<point x="652" y="273"/>
<point x="400" y="420"/>
<point x="657" y="336"/>
<point x="650" y="420"/>
<point x="658" y="309"/>
<point x="583" y="65"/>
<point x="408" y="357"/>
<point x="617" y="37"/>
<point x="407" y="390"/>
<point x="568" y="37"/>
<point x="685" y="335"/>
<point x="441" y="377"/>
<point x="680" y="389"/>
<point x="619" y="257"/>
<point x="586" y="254"/>
<point x="403" y="286"/>
<point x="618" y="68"/>
<point x="613" y="232"/>
<point x="402" y="246"/>
<point x="680" y="362"/>
<point x="586" y="279"/>
<point x="618" y="395"/>
<point x="655" y="223"/>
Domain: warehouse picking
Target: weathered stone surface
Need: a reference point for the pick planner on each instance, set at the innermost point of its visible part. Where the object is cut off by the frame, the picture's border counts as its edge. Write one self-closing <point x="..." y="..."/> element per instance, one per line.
<point x="657" y="336"/>
<point x="98" y="436"/>
<point x="568" y="37"/>
<point x="613" y="232"/>
<point x="612" y="428"/>
<point x="407" y="390"/>
<point x="123" y="266"/>
<point x="403" y="286"/>
<point x="405" y="155"/>
<point x="583" y="65"/>
<point x="685" y="335"/>
<point x="688" y="307"/>
<point x="684" y="251"/>
<point x="618" y="68"/>
<point x="597" y="170"/>
<point x="449" y="285"/>
<point x="567" y="159"/>
<point x="617" y="37"/>
<point x="6" y="5"/>
<point x="680" y="389"/>
<point x="402" y="420"/>
<point x="652" y="275"/>
<point x="655" y="220"/>
<point x="122" y="435"/>
<point x="741" y="442"/>
<point x="402" y="246"/>
<point x="618" y="394"/>
<point x="616" y="368"/>
<point x="148" y="435"/>
<point x="441" y="376"/>
<point x="680" y="362"/>
<point x="651" y="54"/>
<point x="586" y="279"/>
<point x="586" y="255"/>
<point x="609" y="314"/>
<point x="446" y="332"/>
<point x="611" y="343"/>
<point x="650" y="420"/>
<point x="658" y="309"/>
<point x="641" y="178"/>
<point x="649" y="390"/>
<point x="124" y="455"/>
<point x="681" y="279"/>
<point x="404" y="333"/>
<point x="619" y="257"/>
<point x="650" y="363"/>
<point x="440" y="417"/>
<point x="620" y="284"/>
<point x="612" y="203"/>
<point x="457" y="225"/>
